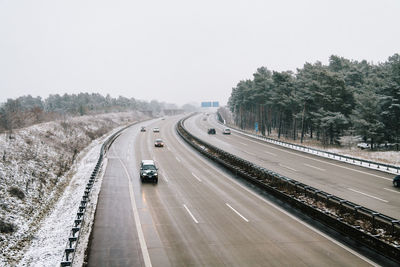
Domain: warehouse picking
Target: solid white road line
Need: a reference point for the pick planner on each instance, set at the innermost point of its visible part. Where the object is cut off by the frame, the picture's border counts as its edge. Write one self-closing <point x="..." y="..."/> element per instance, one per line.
<point x="252" y="154"/>
<point x="367" y="195"/>
<point x="311" y="166"/>
<point x="244" y="144"/>
<point x="297" y="154"/>
<point x="391" y="190"/>
<point x="287" y="167"/>
<point x="277" y="207"/>
<point x="142" y="241"/>
<point x="198" y="179"/>
<point x="241" y="216"/>
<point x="191" y="215"/>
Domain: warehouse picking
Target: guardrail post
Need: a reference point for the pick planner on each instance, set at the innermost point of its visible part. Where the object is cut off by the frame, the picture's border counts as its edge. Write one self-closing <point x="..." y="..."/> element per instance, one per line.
<point x="373" y="219"/>
<point x="393" y="223"/>
<point x="356" y="211"/>
<point x="305" y="190"/>
<point x="327" y="199"/>
<point x="341" y="204"/>
<point x="75" y="230"/>
<point x="316" y="194"/>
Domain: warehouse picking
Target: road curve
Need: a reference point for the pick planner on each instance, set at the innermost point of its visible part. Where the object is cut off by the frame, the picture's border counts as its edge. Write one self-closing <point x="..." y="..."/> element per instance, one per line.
<point x="370" y="188"/>
<point x="196" y="215"/>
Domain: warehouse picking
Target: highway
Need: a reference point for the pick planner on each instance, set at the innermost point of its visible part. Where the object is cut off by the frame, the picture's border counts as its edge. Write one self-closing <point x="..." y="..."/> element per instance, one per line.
<point x="197" y="215"/>
<point x="370" y="188"/>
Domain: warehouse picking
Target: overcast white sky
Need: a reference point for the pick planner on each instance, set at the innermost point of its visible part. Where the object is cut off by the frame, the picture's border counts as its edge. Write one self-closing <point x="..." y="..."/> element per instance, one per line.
<point x="180" y="51"/>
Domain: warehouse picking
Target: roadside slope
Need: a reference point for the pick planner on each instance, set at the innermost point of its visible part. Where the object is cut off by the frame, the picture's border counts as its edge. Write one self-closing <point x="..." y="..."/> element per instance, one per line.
<point x="36" y="166"/>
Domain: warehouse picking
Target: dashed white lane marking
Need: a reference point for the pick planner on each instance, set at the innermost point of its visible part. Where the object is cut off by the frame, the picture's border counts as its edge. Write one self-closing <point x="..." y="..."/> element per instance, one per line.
<point x="195" y="176"/>
<point x="312" y="228"/>
<point x="252" y="154"/>
<point x="142" y="241"/>
<point x="391" y="190"/>
<point x="270" y="153"/>
<point x="191" y="215"/>
<point x="380" y="199"/>
<point x="164" y="176"/>
<point x="296" y="154"/>
<point x="311" y="166"/>
<point x="241" y="216"/>
<point x="287" y="167"/>
<point x="243" y="144"/>
<point x="178" y="159"/>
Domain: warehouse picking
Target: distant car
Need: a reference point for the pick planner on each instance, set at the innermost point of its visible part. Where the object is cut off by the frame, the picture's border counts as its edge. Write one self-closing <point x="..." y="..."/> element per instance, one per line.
<point x="226" y="131"/>
<point x="205" y="118"/>
<point x="211" y="131"/>
<point x="148" y="171"/>
<point x="396" y="181"/>
<point x="143" y="129"/>
<point x="363" y="145"/>
<point x="156" y="130"/>
<point x="163" y="119"/>
<point x="158" y="143"/>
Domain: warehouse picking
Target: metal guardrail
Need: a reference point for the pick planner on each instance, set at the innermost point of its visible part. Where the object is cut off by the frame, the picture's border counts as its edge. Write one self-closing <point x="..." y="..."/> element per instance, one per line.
<point x="372" y="229"/>
<point x="351" y="160"/>
<point x="73" y="239"/>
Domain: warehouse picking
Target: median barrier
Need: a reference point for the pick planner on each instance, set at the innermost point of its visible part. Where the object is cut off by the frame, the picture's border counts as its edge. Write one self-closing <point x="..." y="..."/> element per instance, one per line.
<point x="370" y="228"/>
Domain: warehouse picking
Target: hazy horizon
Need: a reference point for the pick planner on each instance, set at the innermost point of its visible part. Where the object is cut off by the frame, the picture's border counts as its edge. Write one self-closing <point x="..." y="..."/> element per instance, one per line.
<point x="180" y="52"/>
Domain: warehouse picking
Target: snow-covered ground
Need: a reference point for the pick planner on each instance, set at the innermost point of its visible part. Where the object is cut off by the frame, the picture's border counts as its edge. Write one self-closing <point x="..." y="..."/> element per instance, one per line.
<point x="50" y="240"/>
<point x="43" y="171"/>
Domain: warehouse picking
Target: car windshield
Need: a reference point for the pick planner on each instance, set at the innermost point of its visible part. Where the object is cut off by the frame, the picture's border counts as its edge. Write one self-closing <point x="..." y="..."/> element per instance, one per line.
<point x="149" y="167"/>
<point x="158" y="140"/>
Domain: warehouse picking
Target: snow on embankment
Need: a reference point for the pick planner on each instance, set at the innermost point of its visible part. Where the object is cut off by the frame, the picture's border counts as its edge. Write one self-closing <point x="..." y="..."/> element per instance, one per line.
<point x="36" y="165"/>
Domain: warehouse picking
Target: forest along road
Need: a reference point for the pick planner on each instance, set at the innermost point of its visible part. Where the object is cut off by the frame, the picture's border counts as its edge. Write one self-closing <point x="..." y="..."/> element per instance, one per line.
<point x="196" y="215"/>
<point x="369" y="188"/>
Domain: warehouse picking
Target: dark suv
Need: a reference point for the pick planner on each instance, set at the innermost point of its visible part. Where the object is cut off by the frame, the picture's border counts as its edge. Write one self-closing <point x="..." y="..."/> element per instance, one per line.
<point x="148" y="171"/>
<point x="396" y="181"/>
<point x="211" y="131"/>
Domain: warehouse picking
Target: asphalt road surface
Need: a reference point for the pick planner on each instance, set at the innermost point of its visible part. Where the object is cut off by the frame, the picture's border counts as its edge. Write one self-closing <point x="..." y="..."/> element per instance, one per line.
<point x="369" y="188"/>
<point x="196" y="215"/>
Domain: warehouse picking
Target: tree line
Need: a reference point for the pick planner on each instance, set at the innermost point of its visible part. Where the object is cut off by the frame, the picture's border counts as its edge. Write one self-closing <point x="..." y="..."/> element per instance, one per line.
<point x="27" y="110"/>
<point x="324" y="102"/>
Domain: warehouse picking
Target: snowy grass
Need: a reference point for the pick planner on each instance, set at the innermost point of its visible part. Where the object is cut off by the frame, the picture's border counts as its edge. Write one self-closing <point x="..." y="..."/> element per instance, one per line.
<point x="47" y="162"/>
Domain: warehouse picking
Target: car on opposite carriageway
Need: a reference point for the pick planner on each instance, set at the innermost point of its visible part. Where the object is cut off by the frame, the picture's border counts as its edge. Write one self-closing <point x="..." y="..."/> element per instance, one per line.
<point x="226" y="131"/>
<point x="211" y="131"/>
<point x="396" y="181"/>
